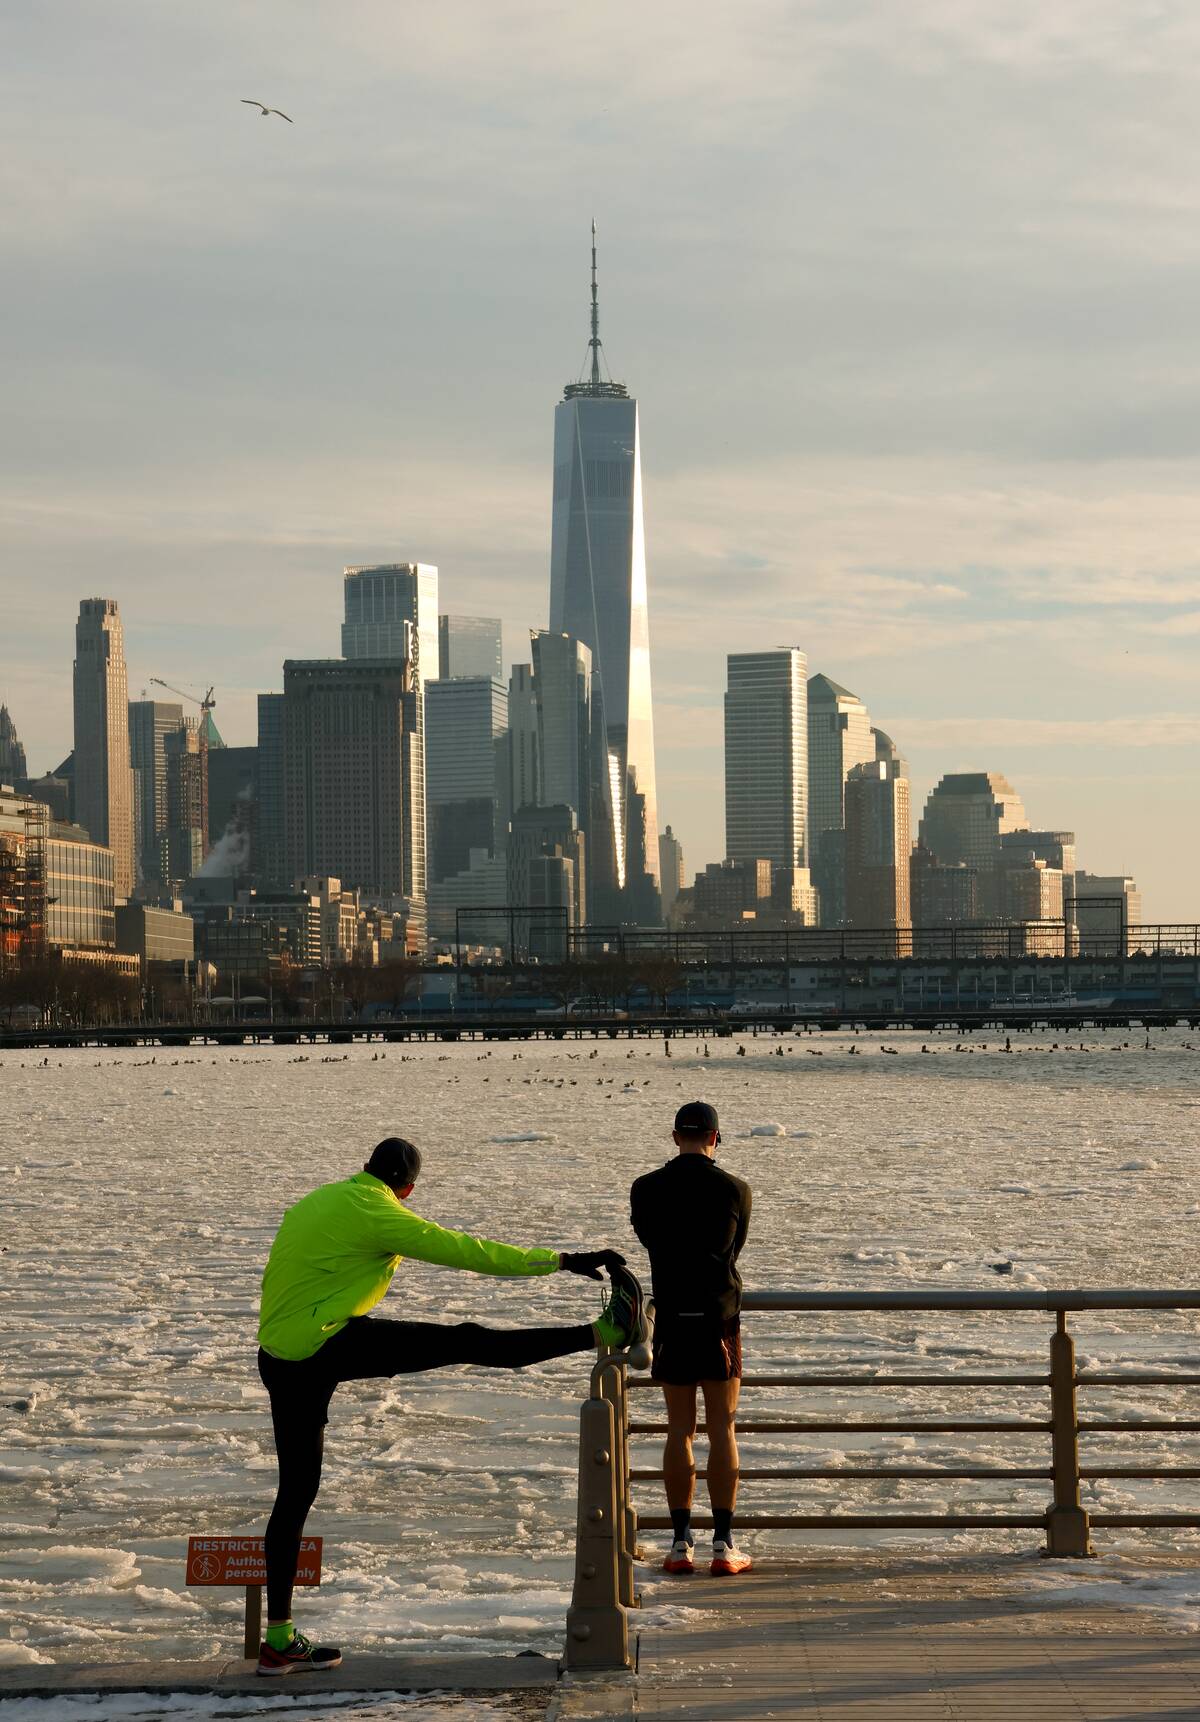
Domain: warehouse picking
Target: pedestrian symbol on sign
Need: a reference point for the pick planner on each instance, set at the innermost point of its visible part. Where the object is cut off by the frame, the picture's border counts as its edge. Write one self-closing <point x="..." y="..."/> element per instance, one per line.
<point x="205" y="1568"/>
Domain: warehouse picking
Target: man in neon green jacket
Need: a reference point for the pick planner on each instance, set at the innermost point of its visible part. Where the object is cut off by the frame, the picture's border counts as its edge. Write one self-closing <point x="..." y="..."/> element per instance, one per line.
<point x="332" y="1261"/>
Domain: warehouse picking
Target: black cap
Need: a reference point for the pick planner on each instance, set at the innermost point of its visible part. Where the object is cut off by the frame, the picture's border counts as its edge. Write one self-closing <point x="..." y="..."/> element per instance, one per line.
<point x="697" y="1118"/>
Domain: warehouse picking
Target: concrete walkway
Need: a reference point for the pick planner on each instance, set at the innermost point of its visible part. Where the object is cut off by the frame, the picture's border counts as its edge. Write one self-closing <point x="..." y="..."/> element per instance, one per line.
<point x="927" y="1639"/>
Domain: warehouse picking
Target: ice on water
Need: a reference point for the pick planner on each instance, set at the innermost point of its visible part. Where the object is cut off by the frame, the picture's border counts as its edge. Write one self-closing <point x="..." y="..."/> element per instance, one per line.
<point x="139" y="1200"/>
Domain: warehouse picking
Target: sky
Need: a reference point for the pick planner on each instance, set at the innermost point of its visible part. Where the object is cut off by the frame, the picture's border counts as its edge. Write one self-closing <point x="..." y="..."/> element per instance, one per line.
<point x="909" y="296"/>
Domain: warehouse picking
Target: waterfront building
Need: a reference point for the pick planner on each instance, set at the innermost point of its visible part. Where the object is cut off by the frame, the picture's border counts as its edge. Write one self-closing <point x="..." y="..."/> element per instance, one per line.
<point x="150" y="723"/>
<point x="942" y="893"/>
<point x="766" y="758"/>
<point x="670" y="870"/>
<point x="391" y="611"/>
<point x="481" y="885"/>
<point x="839" y="738"/>
<point x="57" y="887"/>
<point x="547" y="869"/>
<point x="518" y="775"/>
<point x="353" y="795"/>
<point x="1055" y="848"/>
<point x="470" y="646"/>
<point x="269" y="861"/>
<point x="598" y="596"/>
<point x="965" y="818"/>
<point x="155" y="934"/>
<point x="1102" y="908"/>
<point x="260" y="933"/>
<point x="103" y="775"/>
<point x="878" y="850"/>
<point x="463" y="719"/>
<point x="185" y="839"/>
<point x="13" y="767"/>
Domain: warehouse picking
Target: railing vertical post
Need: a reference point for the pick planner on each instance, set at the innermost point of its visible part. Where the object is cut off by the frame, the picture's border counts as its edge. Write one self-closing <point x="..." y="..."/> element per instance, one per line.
<point x="597" y="1636"/>
<point x="612" y="1386"/>
<point x="252" y="1636"/>
<point x="1068" y="1531"/>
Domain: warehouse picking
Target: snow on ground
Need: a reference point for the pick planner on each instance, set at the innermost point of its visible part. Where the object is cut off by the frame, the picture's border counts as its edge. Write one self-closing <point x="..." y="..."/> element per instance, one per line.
<point x="196" y="1707"/>
<point x="139" y="1195"/>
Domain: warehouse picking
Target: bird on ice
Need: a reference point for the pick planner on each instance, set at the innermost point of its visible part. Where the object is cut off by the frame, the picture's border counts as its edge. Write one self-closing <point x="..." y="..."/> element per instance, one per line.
<point x="249" y="102"/>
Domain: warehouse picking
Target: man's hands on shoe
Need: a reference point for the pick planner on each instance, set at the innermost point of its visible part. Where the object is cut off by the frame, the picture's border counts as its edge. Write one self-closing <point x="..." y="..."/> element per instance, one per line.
<point x="590" y="1262"/>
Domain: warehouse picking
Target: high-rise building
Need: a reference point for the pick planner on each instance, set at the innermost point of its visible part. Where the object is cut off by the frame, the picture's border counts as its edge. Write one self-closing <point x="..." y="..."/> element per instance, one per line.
<point x="839" y="738"/>
<point x="766" y="758"/>
<point x="470" y="646"/>
<point x="384" y="606"/>
<point x="269" y="860"/>
<point x="463" y="718"/>
<point x="103" y="775"/>
<point x="1103" y="907"/>
<point x="878" y="851"/>
<point x="573" y="754"/>
<point x="967" y="814"/>
<point x="670" y="869"/>
<point x="13" y="769"/>
<point x="943" y="893"/>
<point x="150" y="723"/>
<point x="185" y="838"/>
<point x="547" y="871"/>
<point x="598" y="596"/>
<point x="353" y="800"/>
<point x="518" y="776"/>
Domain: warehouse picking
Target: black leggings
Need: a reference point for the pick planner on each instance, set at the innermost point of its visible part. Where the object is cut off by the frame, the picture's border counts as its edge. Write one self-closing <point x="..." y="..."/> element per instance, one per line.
<point x="367" y="1347"/>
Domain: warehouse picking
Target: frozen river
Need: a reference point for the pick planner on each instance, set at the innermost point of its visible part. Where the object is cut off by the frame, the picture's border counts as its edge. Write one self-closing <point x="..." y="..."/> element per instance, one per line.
<point x="138" y="1200"/>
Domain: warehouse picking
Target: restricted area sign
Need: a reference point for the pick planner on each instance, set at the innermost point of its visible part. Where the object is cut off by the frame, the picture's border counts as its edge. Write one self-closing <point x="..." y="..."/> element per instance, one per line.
<point x="239" y="1560"/>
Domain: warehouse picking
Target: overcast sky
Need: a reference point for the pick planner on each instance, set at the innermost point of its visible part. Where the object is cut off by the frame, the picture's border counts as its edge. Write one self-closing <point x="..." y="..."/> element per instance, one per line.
<point x="909" y="295"/>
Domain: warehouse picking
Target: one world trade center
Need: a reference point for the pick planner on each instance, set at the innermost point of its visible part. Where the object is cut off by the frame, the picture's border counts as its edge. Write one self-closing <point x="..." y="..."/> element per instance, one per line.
<point x="598" y="595"/>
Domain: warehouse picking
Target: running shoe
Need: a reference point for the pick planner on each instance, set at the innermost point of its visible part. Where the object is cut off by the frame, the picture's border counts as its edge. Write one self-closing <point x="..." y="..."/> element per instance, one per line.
<point x="299" y="1655"/>
<point x="681" y="1558"/>
<point x="727" y="1560"/>
<point x="622" y="1322"/>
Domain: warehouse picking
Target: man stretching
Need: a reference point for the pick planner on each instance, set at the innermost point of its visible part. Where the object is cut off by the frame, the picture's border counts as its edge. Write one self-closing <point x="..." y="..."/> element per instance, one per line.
<point x="692" y="1218"/>
<point x="332" y="1260"/>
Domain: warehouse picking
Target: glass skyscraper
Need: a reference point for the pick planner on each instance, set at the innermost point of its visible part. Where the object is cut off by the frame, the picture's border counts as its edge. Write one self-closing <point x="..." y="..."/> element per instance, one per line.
<point x="598" y="596"/>
<point x="766" y="758"/>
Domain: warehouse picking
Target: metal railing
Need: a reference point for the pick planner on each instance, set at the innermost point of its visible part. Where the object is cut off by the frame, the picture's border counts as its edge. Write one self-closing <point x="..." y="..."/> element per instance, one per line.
<point x="605" y="1590"/>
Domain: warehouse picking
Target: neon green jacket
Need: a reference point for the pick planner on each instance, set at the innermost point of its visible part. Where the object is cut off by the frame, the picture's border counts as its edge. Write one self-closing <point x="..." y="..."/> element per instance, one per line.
<point x="336" y="1251"/>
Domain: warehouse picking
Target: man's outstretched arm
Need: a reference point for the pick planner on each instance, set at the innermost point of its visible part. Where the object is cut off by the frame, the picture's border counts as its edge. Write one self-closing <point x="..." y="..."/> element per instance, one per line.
<point x="407" y="1234"/>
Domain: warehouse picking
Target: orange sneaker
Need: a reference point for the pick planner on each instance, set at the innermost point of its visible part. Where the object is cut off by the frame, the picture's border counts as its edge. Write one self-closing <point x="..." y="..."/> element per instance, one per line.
<point x="728" y="1560"/>
<point x="681" y="1558"/>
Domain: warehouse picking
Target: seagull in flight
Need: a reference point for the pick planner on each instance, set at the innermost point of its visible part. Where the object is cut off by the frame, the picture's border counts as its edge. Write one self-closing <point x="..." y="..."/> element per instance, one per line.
<point x="250" y="102"/>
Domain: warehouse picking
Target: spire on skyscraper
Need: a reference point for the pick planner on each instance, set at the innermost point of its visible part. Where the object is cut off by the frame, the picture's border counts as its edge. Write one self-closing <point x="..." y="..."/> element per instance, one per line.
<point x="595" y="385"/>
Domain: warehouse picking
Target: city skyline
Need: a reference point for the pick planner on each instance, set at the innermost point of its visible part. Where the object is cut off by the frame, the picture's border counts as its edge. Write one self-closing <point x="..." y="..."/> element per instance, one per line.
<point x="962" y="469"/>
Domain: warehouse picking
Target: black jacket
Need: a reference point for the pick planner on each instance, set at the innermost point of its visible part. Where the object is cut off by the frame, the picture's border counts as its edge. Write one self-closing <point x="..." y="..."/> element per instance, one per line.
<point x="692" y="1218"/>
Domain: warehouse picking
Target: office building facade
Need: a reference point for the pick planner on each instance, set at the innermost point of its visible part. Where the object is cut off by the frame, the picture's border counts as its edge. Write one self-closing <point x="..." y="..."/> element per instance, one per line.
<point x="464" y="717"/>
<point x="470" y="646"/>
<point x="839" y="738"/>
<point x="353" y="796"/>
<point x="670" y="869"/>
<point x="391" y="611"/>
<point x="269" y="859"/>
<point x="878" y="851"/>
<point x="518" y="775"/>
<point x="103" y="798"/>
<point x="13" y="767"/>
<point x="766" y="758"/>
<point x="598" y="596"/>
<point x="150" y="723"/>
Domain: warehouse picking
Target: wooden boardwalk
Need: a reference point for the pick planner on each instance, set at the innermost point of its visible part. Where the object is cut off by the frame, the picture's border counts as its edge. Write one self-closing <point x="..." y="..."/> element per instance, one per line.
<point x="926" y="1639"/>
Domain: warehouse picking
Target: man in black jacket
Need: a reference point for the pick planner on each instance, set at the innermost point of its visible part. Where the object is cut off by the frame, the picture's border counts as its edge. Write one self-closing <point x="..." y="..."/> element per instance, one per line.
<point x="692" y="1218"/>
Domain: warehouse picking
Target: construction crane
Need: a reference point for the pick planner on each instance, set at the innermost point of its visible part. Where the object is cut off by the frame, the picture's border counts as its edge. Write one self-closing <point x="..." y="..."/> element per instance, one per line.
<point x="206" y="705"/>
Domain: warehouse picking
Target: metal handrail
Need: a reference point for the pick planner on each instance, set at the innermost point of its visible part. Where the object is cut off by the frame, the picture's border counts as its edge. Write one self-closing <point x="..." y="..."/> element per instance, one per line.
<point x="597" y="1629"/>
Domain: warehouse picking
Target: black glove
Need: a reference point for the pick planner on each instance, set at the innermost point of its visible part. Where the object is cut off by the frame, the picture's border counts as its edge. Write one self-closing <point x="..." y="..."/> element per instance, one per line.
<point x="589" y="1262"/>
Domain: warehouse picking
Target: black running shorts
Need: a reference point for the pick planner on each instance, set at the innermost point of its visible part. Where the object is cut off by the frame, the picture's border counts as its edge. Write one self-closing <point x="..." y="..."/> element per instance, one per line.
<point x="692" y="1348"/>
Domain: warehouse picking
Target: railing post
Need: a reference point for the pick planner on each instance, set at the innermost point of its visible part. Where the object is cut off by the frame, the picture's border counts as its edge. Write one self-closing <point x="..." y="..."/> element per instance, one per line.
<point x="612" y="1386"/>
<point x="597" y="1636"/>
<point x="1068" y="1531"/>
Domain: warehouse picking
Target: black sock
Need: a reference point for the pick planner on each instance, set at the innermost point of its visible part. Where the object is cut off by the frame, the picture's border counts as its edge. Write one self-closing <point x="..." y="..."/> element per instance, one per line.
<point x="723" y="1525"/>
<point x="681" y="1524"/>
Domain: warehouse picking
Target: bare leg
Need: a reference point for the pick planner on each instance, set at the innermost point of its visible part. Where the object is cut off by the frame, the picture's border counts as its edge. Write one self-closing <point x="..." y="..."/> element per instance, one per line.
<point x="720" y="1409"/>
<point x="679" y="1463"/>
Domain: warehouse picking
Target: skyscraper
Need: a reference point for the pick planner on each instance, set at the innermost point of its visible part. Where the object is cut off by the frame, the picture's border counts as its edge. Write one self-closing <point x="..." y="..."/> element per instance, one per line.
<point x="517" y="772"/>
<point x="150" y="723"/>
<point x="670" y="869"/>
<point x="598" y="595"/>
<point x="352" y="807"/>
<point x="966" y="815"/>
<point x="269" y="860"/>
<point x="573" y="753"/>
<point x="13" y="769"/>
<point x="766" y="758"/>
<point x="103" y="775"/>
<point x="381" y="603"/>
<point x="185" y="838"/>
<point x="463" y="717"/>
<point x="470" y="646"/>
<point x="878" y="851"/>
<point x="839" y="738"/>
